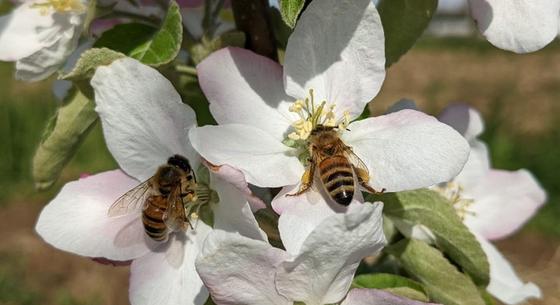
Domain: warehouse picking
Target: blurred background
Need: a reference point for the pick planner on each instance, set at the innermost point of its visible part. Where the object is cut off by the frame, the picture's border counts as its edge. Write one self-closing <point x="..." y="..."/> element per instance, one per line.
<point x="518" y="96"/>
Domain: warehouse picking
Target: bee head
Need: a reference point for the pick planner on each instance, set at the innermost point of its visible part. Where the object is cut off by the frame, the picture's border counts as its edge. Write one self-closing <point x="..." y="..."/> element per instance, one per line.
<point x="181" y="162"/>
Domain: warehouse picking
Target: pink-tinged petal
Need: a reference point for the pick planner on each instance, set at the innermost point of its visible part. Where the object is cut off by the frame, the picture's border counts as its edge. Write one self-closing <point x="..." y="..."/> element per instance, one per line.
<point x="233" y="213"/>
<point x="24" y="32"/>
<point x="168" y="276"/>
<point x="338" y="49"/>
<point x="144" y="120"/>
<point x="503" y="202"/>
<point x="407" y="150"/>
<point x="361" y="296"/>
<point x="246" y="88"/>
<point x="264" y="160"/>
<point x="50" y="58"/>
<point x="477" y="165"/>
<point x="76" y="219"/>
<point x="505" y="284"/>
<point x="323" y="270"/>
<point x="518" y="26"/>
<point x="237" y="179"/>
<point x="239" y="270"/>
<point x="466" y="120"/>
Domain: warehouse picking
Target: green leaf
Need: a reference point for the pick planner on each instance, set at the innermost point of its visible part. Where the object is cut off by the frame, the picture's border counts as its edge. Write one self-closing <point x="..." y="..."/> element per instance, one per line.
<point x="126" y="37"/>
<point x="393" y="283"/>
<point x="403" y="22"/>
<point x="280" y="29"/>
<point x="290" y="10"/>
<point x="365" y="114"/>
<point x="165" y="44"/>
<point x="89" y="61"/>
<point x="442" y="281"/>
<point x="428" y="208"/>
<point x="61" y="139"/>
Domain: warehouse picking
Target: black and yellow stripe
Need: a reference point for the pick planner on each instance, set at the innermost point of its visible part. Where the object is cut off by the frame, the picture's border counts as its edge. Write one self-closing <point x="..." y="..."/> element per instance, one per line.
<point x="338" y="178"/>
<point x="152" y="218"/>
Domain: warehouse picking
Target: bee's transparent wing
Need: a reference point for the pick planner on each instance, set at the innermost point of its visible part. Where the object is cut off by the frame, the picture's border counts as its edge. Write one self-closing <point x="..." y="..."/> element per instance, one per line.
<point x="359" y="166"/>
<point x="132" y="200"/>
<point x="174" y="217"/>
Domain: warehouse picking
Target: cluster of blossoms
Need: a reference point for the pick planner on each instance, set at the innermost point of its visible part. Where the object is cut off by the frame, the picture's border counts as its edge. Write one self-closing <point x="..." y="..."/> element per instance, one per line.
<point x="267" y="114"/>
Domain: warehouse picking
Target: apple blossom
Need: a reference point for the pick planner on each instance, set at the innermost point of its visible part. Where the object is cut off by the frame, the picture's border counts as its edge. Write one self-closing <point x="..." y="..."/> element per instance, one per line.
<point x="266" y="112"/>
<point x="492" y="203"/>
<point x="519" y="26"/>
<point x="144" y="122"/>
<point x="40" y="34"/>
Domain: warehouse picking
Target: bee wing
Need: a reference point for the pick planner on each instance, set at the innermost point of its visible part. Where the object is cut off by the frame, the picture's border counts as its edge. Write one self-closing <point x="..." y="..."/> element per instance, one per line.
<point x="359" y="166"/>
<point x="132" y="200"/>
<point x="174" y="217"/>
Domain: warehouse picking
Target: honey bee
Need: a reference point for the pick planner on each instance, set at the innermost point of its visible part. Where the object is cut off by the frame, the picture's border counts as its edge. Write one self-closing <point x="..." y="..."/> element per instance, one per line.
<point x="166" y="199"/>
<point x="337" y="166"/>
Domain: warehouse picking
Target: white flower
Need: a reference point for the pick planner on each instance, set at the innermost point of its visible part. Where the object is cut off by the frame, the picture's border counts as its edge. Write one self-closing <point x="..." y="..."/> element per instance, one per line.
<point x="334" y="65"/>
<point x="520" y="26"/>
<point x="244" y="271"/>
<point x="40" y="34"/>
<point x="144" y="122"/>
<point x="493" y="203"/>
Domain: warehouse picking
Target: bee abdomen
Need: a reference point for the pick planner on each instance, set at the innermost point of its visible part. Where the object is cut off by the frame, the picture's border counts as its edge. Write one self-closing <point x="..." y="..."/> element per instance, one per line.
<point x="338" y="178"/>
<point x="152" y="218"/>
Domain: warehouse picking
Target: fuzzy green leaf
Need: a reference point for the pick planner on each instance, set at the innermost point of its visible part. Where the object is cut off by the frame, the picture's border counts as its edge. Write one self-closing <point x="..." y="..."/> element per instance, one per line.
<point x="442" y="281"/>
<point x="89" y="61"/>
<point x="290" y="10"/>
<point x="403" y="23"/>
<point x="393" y="283"/>
<point x="125" y="37"/>
<point x="165" y="44"/>
<point x="428" y="208"/>
<point x="61" y="139"/>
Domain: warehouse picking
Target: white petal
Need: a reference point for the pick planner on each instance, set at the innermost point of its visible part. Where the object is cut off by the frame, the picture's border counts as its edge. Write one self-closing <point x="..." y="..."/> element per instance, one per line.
<point x="240" y="271"/>
<point x="504" y="201"/>
<point x="407" y="150"/>
<point x="246" y="88"/>
<point x="265" y="161"/>
<point x="337" y="49"/>
<point x="323" y="270"/>
<point x="76" y="219"/>
<point x="520" y="26"/>
<point x="24" y="32"/>
<point x="466" y="120"/>
<point x="360" y="296"/>
<point x="477" y="165"/>
<point x="233" y="213"/>
<point x="161" y="278"/>
<point x="504" y="282"/>
<point x="144" y="120"/>
<point x="299" y="216"/>
<point x="50" y="58"/>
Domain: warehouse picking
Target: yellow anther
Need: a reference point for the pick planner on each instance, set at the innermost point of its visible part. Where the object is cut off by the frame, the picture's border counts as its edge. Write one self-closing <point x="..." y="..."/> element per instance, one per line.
<point x="453" y="191"/>
<point x="194" y="215"/>
<point x="61" y="6"/>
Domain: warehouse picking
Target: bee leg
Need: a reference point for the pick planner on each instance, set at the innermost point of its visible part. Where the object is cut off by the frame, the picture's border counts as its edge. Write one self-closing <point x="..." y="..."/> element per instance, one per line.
<point x="306" y="179"/>
<point x="363" y="179"/>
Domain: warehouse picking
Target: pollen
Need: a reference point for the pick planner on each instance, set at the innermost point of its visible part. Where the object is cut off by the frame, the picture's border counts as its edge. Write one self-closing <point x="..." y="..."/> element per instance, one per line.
<point x="312" y="115"/>
<point x="60" y="6"/>
<point x="453" y="191"/>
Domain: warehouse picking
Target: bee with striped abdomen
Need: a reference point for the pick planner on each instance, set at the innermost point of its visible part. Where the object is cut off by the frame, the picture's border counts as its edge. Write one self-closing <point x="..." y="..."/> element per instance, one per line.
<point x="337" y="166"/>
<point x="166" y="200"/>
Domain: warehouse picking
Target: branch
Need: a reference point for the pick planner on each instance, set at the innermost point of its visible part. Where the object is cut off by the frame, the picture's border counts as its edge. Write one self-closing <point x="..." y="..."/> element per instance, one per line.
<point x="251" y="17"/>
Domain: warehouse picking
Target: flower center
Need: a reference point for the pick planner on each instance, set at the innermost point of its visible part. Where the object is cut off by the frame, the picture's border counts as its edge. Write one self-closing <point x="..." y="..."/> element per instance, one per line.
<point x="453" y="191"/>
<point x="60" y="6"/>
<point x="312" y="115"/>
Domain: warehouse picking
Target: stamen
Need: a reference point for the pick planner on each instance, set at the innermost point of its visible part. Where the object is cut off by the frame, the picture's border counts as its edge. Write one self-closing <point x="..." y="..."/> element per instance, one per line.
<point x="312" y="116"/>
<point x="61" y="6"/>
<point x="453" y="191"/>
